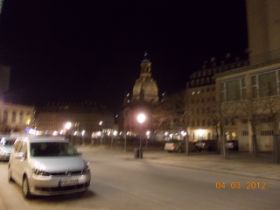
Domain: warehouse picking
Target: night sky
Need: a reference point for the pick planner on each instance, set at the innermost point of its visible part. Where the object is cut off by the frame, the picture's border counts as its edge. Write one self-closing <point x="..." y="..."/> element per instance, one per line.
<point x="63" y="50"/>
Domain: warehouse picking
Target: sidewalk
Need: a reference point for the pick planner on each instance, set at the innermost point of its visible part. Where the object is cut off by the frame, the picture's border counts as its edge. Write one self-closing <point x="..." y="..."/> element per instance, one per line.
<point x="241" y="164"/>
<point x="2" y="204"/>
<point x="237" y="164"/>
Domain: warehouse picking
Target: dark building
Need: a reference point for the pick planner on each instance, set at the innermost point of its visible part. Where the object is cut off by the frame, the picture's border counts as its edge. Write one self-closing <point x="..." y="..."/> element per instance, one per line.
<point x="83" y="117"/>
<point x="4" y="79"/>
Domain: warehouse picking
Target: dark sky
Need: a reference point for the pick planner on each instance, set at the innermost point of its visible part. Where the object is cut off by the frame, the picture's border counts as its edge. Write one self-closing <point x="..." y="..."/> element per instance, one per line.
<point x="63" y="50"/>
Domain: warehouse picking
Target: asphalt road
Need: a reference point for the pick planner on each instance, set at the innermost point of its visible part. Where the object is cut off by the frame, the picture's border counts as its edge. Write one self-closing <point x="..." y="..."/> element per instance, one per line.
<point x="122" y="183"/>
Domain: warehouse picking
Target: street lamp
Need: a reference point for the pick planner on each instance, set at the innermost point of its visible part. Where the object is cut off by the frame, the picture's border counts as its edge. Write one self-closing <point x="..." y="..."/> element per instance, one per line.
<point x="186" y="140"/>
<point x="100" y="123"/>
<point x="141" y="119"/>
<point x="67" y="126"/>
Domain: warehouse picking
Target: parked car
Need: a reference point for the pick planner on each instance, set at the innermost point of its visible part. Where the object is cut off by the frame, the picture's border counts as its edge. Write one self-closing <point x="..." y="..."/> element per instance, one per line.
<point x="232" y="145"/>
<point x="206" y="145"/>
<point x="6" y="144"/>
<point x="47" y="166"/>
<point x="174" y="146"/>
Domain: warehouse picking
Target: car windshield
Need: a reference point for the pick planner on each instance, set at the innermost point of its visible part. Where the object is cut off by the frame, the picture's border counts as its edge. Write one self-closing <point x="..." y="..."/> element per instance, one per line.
<point x="52" y="149"/>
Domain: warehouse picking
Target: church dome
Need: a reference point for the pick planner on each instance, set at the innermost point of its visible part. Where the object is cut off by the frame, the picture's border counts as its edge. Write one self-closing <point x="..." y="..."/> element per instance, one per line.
<point x="145" y="87"/>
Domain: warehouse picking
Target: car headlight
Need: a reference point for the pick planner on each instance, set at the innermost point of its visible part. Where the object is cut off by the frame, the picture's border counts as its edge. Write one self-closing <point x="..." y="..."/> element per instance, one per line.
<point x="40" y="172"/>
<point x="86" y="169"/>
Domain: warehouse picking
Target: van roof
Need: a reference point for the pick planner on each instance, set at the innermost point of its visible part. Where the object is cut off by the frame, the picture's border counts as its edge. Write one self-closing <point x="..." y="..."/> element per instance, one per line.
<point x="43" y="139"/>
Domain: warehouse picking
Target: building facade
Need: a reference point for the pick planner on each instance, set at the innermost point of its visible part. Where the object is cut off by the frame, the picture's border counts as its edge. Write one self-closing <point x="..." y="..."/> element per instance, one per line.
<point x="15" y="117"/>
<point x="263" y="20"/>
<point x="200" y="100"/>
<point x="251" y="95"/>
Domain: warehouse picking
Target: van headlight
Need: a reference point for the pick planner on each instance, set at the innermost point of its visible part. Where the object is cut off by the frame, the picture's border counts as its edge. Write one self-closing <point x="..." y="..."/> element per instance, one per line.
<point x="40" y="172"/>
<point x="86" y="169"/>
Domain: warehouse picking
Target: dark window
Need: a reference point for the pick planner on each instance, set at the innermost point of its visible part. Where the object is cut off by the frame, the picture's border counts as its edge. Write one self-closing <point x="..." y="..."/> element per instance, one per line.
<point x="267" y="84"/>
<point x="14" y="116"/>
<point x="203" y="122"/>
<point x="267" y="133"/>
<point x="245" y="133"/>
<point x="233" y="91"/>
<point x="21" y="117"/>
<point x="5" y="116"/>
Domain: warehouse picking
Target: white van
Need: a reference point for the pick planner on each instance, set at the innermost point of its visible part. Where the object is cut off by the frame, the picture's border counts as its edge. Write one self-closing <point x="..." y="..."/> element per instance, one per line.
<point x="47" y="166"/>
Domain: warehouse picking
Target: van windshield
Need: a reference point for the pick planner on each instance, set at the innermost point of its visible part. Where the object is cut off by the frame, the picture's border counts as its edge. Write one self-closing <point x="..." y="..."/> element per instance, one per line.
<point x="8" y="142"/>
<point x="52" y="149"/>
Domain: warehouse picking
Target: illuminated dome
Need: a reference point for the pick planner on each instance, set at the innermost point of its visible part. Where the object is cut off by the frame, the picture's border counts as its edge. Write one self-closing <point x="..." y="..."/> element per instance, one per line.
<point x="145" y="87"/>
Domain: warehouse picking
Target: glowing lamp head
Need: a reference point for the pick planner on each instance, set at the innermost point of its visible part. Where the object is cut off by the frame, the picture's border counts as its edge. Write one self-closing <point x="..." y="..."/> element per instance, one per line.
<point x="115" y="133"/>
<point x="183" y="133"/>
<point x="68" y="125"/>
<point x="141" y="118"/>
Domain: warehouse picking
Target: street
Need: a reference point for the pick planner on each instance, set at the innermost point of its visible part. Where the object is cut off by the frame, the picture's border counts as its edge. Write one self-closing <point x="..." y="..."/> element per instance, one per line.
<point x="120" y="182"/>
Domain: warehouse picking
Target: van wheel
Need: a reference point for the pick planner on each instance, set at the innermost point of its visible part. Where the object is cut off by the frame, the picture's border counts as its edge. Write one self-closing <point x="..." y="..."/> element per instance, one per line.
<point x="25" y="188"/>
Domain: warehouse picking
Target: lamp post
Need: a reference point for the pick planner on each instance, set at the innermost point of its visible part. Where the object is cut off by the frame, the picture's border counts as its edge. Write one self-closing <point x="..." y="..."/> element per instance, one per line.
<point x="186" y="141"/>
<point x="100" y="123"/>
<point x="67" y="126"/>
<point x="141" y="119"/>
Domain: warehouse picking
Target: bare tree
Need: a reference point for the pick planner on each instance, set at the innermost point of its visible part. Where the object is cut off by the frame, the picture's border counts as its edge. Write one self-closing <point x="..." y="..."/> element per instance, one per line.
<point x="221" y="113"/>
<point x="248" y="110"/>
<point x="271" y="105"/>
<point x="170" y="113"/>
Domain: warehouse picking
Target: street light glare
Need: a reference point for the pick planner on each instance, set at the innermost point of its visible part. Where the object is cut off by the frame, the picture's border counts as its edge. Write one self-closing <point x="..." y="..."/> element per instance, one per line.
<point x="141" y="118"/>
<point x="68" y="125"/>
